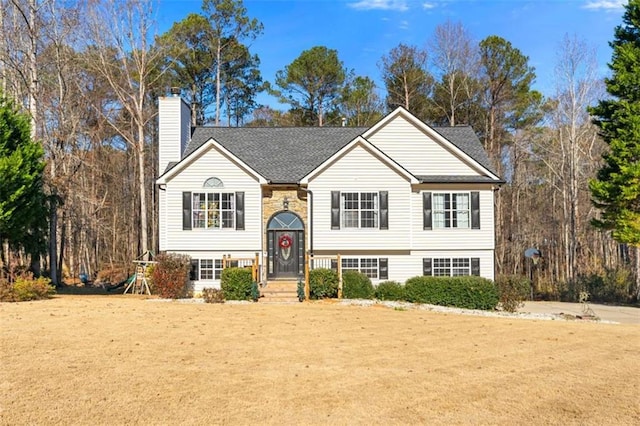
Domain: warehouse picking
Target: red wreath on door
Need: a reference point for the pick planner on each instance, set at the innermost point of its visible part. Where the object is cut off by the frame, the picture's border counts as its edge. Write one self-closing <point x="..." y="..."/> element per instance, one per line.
<point x="285" y="241"/>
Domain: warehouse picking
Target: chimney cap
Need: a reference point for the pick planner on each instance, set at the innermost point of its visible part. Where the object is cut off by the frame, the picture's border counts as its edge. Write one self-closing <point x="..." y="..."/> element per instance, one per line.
<point x="175" y="91"/>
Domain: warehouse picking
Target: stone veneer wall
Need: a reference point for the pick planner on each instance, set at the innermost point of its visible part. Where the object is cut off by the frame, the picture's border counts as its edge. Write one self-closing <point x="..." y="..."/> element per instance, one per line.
<point x="272" y="199"/>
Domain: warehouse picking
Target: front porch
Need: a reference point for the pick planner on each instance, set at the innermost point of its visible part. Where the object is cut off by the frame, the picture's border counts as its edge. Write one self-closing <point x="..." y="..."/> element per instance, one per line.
<point x="279" y="289"/>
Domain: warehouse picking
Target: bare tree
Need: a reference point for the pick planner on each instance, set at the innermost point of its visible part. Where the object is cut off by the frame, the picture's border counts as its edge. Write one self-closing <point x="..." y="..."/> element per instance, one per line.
<point x="454" y="61"/>
<point x="571" y="155"/>
<point x="118" y="50"/>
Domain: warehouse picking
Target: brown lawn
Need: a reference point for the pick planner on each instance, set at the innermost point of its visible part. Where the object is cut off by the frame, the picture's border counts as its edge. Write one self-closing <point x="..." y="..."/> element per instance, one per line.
<point x="125" y="360"/>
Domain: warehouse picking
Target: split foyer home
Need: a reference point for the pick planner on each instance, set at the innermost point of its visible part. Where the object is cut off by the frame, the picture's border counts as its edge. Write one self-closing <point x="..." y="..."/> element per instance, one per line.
<point x="392" y="201"/>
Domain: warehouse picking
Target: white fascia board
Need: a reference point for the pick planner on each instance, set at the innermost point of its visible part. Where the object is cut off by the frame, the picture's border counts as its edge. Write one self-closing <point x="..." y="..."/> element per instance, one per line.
<point x="400" y="111"/>
<point x="211" y="143"/>
<point x="375" y="151"/>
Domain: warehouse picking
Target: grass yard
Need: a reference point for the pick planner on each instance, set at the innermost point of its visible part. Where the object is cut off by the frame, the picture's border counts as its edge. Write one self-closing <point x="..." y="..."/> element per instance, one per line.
<point x="124" y="360"/>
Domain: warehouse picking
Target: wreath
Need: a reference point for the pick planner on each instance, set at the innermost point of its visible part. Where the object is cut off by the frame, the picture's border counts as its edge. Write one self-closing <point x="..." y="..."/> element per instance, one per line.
<point x="285" y="241"/>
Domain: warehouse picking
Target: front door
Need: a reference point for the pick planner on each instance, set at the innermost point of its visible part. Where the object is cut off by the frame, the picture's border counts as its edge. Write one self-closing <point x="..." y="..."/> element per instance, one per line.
<point x="286" y="261"/>
<point x="285" y="246"/>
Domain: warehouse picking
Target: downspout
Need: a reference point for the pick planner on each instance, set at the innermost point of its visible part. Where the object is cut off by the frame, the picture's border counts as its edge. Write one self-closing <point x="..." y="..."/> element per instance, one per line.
<point x="308" y="191"/>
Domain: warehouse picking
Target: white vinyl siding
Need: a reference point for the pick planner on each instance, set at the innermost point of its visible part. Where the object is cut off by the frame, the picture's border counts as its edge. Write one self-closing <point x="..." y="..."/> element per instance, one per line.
<point x="174" y="130"/>
<point x="401" y="267"/>
<point x="418" y="152"/>
<point x="162" y="220"/>
<point x="191" y="179"/>
<point x="453" y="238"/>
<point x="361" y="171"/>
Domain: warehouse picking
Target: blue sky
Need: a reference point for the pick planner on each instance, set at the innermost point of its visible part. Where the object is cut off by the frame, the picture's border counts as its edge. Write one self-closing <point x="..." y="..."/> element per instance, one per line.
<point x="362" y="31"/>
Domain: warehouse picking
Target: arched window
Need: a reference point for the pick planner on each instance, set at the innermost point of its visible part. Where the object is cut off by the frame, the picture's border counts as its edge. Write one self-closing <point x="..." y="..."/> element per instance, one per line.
<point x="285" y="220"/>
<point x="213" y="182"/>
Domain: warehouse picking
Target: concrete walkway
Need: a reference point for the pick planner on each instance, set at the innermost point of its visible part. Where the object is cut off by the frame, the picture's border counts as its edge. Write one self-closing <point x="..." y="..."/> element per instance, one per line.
<point x="620" y="314"/>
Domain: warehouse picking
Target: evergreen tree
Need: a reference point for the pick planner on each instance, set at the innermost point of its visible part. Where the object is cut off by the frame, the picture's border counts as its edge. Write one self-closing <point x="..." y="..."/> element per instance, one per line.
<point x="407" y="80"/>
<point x="22" y="202"/>
<point x="616" y="190"/>
<point x="312" y="83"/>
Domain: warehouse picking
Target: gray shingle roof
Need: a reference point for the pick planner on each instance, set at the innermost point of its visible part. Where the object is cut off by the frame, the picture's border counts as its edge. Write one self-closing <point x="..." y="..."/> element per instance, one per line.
<point x="287" y="154"/>
<point x="280" y="154"/>
<point x="466" y="139"/>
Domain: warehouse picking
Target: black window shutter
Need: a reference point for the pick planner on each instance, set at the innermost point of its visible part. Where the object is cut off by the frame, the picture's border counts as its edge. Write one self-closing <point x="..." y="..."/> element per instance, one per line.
<point x="335" y="209"/>
<point x="426" y="210"/>
<point x="383" y="265"/>
<point x="193" y="272"/>
<point x="475" y="210"/>
<point x="475" y="266"/>
<point x="384" y="209"/>
<point x="240" y="211"/>
<point x="426" y="267"/>
<point x="186" y="210"/>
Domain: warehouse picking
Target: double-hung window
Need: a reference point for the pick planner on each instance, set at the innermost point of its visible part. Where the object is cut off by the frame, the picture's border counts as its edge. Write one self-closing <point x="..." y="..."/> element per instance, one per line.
<point x="205" y="269"/>
<point x="451" y="210"/>
<point x="451" y="266"/>
<point x="213" y="210"/>
<point x="359" y="209"/>
<point x="447" y="210"/>
<point x="371" y="267"/>
<point x="454" y="267"/>
<point x="212" y="207"/>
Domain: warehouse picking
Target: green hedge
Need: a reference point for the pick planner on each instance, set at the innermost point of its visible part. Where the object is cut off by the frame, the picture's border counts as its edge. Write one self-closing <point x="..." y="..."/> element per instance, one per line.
<point x="467" y="292"/>
<point x="238" y="284"/>
<point x="323" y="284"/>
<point x="356" y="285"/>
<point x="390" y="290"/>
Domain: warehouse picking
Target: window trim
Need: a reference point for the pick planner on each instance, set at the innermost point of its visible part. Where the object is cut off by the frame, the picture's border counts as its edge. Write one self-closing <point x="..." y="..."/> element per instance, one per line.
<point x="429" y="266"/>
<point x="363" y="266"/>
<point x="195" y="273"/>
<point x="428" y="212"/>
<point x="225" y="215"/>
<point x="451" y="213"/>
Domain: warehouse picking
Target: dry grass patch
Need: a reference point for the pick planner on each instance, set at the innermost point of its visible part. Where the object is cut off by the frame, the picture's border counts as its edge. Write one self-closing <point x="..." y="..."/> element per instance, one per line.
<point x="125" y="360"/>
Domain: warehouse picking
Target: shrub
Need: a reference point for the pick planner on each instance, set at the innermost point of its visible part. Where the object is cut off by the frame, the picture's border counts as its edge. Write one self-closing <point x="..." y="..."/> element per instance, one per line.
<point x="237" y="284"/>
<point x="323" y="283"/>
<point x="513" y="291"/>
<point x="213" y="295"/>
<point x="24" y="289"/>
<point x="171" y="276"/>
<point x="612" y="286"/>
<point x="390" y="290"/>
<point x="467" y="292"/>
<point x="300" y="290"/>
<point x="356" y="285"/>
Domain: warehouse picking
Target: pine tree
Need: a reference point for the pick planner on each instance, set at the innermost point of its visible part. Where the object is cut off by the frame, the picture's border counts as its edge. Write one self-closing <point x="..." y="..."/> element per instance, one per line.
<point x="22" y="212"/>
<point x="616" y="190"/>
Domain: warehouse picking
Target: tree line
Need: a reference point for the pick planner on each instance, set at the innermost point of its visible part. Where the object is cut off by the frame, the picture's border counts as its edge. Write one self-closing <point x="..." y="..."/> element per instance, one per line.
<point x="88" y="75"/>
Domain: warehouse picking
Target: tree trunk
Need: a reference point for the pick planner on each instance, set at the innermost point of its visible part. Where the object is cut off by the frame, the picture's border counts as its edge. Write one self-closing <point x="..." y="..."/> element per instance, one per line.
<point x="141" y="186"/>
<point x="218" y="76"/>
